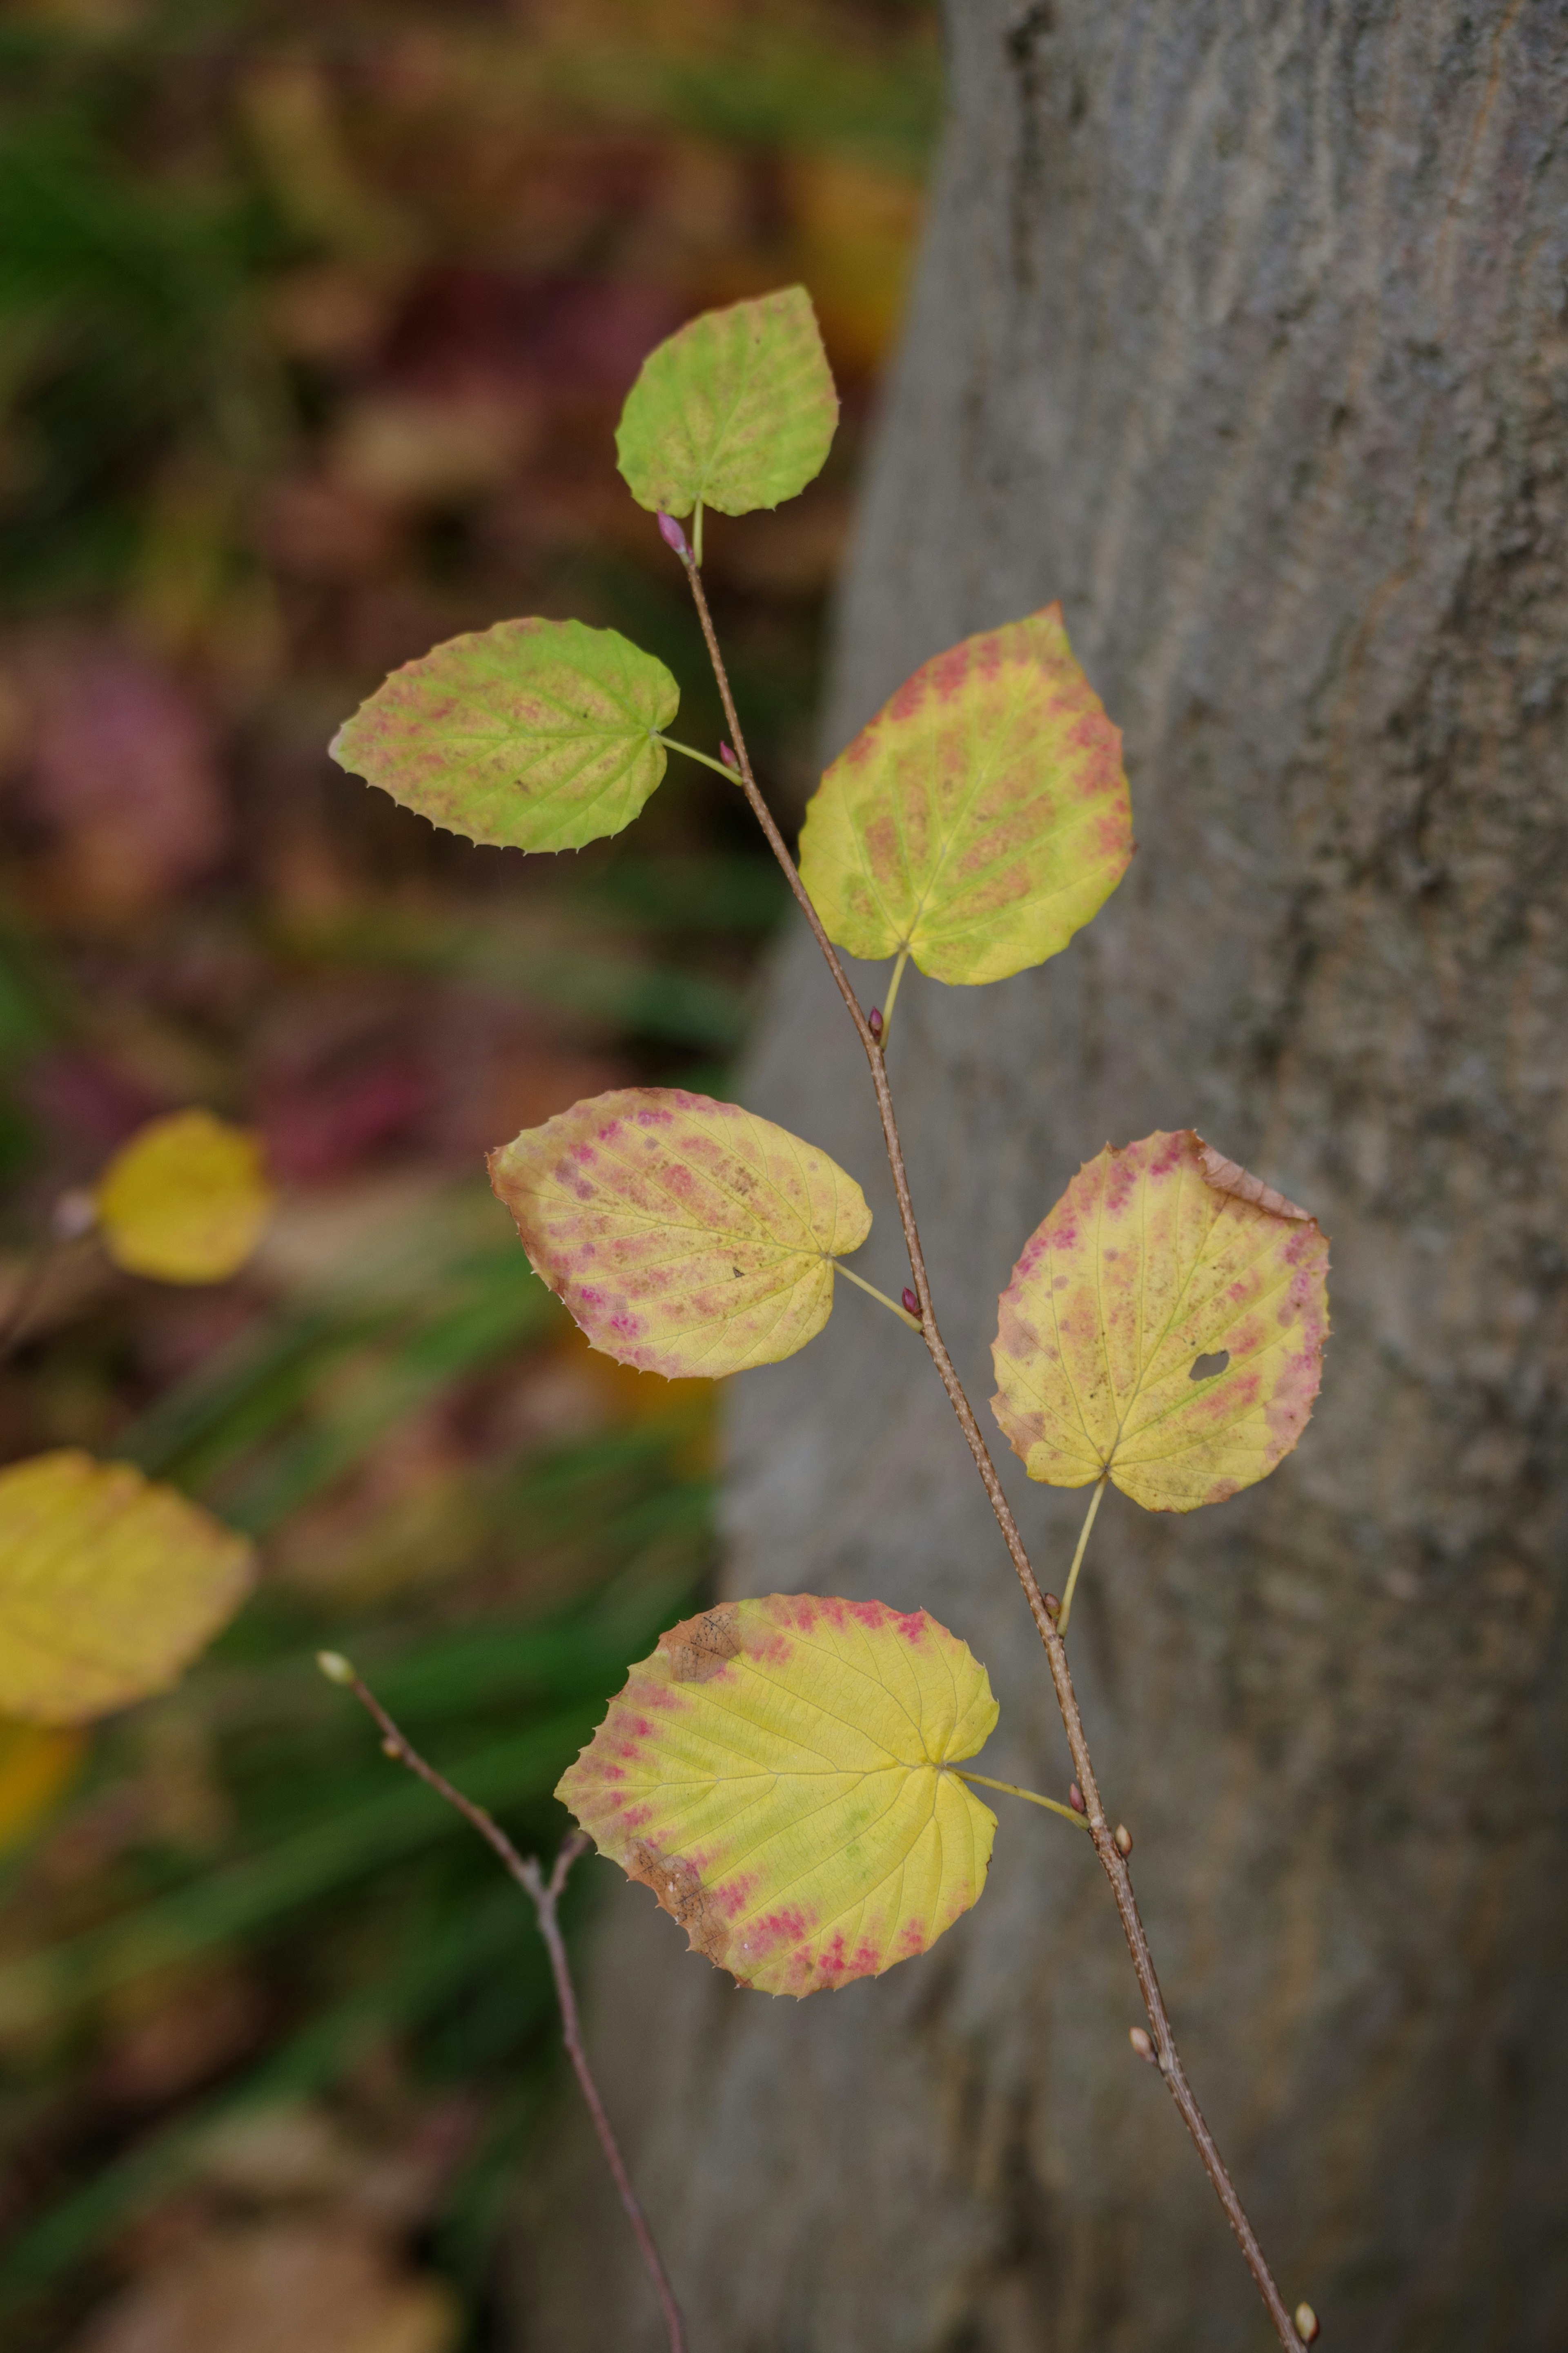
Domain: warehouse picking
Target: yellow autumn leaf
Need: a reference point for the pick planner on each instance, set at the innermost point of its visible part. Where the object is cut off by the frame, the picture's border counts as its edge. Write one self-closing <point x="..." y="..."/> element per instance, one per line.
<point x="778" y="1773"/>
<point x="981" y="819"/>
<point x="109" y="1586"/>
<point x="687" y="1237"/>
<point x="186" y="1201"/>
<point x="39" y="1763"/>
<point x="1164" y="1327"/>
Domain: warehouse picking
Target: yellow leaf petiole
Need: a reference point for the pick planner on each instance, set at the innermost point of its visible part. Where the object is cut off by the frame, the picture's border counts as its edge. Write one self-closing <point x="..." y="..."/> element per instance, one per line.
<point x="1082" y="1548"/>
<point x="892" y="1305"/>
<point x="903" y="958"/>
<point x="718" y="766"/>
<point x="1012" y="1789"/>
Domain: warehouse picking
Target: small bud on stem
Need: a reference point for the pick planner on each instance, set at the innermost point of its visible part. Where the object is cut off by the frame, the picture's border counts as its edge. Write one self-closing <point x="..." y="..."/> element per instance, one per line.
<point x="1140" y="2041"/>
<point x="911" y="1304"/>
<point x="873" y="1021"/>
<point x="728" y="756"/>
<point x="1306" y="2324"/>
<point x="335" y="1666"/>
<point x="1053" y="1606"/>
<point x="670" y="531"/>
<point x="1075" y="1797"/>
<point x="1124" y="1838"/>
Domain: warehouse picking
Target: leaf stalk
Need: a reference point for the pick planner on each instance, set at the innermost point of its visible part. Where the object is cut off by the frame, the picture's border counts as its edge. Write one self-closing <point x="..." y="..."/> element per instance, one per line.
<point x="1012" y="1790"/>
<point x="890" y="1304"/>
<point x="1082" y="1548"/>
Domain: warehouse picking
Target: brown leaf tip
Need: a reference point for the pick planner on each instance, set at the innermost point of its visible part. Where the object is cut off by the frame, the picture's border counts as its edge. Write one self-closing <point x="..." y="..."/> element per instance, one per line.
<point x="1228" y="1176"/>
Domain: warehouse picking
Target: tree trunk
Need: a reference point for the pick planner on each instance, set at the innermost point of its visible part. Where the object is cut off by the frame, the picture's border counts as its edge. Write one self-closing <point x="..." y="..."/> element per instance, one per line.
<point x="1241" y="329"/>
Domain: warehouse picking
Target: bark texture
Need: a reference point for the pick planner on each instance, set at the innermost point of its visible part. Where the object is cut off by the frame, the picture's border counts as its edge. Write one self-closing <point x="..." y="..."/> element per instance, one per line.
<point x="1241" y="328"/>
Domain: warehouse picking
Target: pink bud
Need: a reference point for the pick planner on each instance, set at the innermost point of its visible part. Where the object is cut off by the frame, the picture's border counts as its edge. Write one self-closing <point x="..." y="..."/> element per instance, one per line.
<point x="670" y="531"/>
<point x="1053" y="1606"/>
<point x="729" y="757"/>
<point x="873" y="1021"/>
<point x="911" y="1304"/>
<point x="1075" y="1797"/>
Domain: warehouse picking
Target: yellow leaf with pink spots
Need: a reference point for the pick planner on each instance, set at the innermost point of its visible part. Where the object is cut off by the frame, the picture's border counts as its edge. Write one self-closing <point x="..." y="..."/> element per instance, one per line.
<point x="687" y="1237"/>
<point x="981" y="819"/>
<point x="1164" y="1327"/>
<point x="779" y="1773"/>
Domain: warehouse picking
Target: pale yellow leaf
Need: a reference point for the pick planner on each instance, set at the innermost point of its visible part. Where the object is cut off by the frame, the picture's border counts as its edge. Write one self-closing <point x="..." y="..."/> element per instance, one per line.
<point x="1163" y="1327"/>
<point x="186" y="1199"/>
<point x="777" y="1773"/>
<point x="109" y="1586"/>
<point x="687" y="1237"/>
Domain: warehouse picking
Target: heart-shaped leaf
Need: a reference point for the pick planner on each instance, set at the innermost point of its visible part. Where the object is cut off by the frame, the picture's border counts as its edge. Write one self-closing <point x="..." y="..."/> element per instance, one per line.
<point x="775" y="1773"/>
<point x="981" y="819"/>
<point x="735" y="411"/>
<point x="186" y="1200"/>
<point x="532" y="736"/>
<point x="109" y="1586"/>
<point x="688" y="1237"/>
<point x="1164" y="1327"/>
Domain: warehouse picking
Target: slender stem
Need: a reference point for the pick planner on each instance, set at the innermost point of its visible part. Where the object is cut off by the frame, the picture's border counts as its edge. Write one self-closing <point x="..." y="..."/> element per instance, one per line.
<point x="1113" y="1862"/>
<point x="697" y="535"/>
<point x="1078" y="1822"/>
<point x="545" y="1895"/>
<point x="903" y="957"/>
<point x="901" y="1313"/>
<point x="1082" y="1548"/>
<point x="717" y="766"/>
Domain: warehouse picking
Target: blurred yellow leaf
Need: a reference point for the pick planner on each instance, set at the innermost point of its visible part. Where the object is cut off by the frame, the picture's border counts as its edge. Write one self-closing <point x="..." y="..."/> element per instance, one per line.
<point x="776" y="1772"/>
<point x="186" y="1200"/>
<point x="37" y="1765"/>
<point x="109" y="1586"/>
<point x="687" y="1237"/>
<point x="1163" y="1328"/>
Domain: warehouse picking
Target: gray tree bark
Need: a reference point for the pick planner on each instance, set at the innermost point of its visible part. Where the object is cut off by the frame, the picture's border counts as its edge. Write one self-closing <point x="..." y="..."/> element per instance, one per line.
<point x="1241" y="328"/>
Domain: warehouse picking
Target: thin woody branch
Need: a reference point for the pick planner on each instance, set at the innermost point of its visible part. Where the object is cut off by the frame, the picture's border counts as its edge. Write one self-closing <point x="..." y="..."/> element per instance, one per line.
<point x="545" y="1896"/>
<point x="1044" y="1609"/>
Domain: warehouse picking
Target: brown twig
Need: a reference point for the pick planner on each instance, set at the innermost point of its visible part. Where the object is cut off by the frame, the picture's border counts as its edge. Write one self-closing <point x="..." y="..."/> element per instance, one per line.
<point x="545" y="1895"/>
<point x="1114" y="1864"/>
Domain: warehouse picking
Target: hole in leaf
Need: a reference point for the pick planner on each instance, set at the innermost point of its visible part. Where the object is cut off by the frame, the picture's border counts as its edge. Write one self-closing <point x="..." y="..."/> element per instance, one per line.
<point x="1203" y="1368"/>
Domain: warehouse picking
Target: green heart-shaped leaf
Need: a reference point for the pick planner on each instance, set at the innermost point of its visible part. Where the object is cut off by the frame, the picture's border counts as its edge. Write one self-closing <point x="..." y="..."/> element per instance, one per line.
<point x="531" y="736"/>
<point x="735" y="411"/>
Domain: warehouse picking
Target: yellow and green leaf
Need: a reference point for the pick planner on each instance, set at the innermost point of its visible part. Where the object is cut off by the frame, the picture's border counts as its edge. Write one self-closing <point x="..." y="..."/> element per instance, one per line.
<point x="687" y="1237"/>
<point x="776" y="1773"/>
<point x="186" y="1201"/>
<point x="530" y="735"/>
<point x="109" y="1586"/>
<point x="1163" y="1328"/>
<point x="735" y="411"/>
<point x="981" y="819"/>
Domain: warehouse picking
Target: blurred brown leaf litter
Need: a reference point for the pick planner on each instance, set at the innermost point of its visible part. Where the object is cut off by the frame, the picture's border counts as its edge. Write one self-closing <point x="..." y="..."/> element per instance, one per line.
<point x="314" y="327"/>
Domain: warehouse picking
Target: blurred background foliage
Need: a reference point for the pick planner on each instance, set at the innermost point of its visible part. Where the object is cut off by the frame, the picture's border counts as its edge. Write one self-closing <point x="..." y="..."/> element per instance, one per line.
<point x="314" y="325"/>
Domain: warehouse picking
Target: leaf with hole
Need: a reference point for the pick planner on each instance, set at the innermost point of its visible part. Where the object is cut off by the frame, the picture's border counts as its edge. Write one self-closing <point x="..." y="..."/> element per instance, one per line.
<point x="981" y="819"/>
<point x="186" y="1201"/>
<point x="688" y="1237"/>
<point x="109" y="1586"/>
<point x="1163" y="1327"/>
<point x="735" y="411"/>
<point x="776" y="1773"/>
<point x="530" y="735"/>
